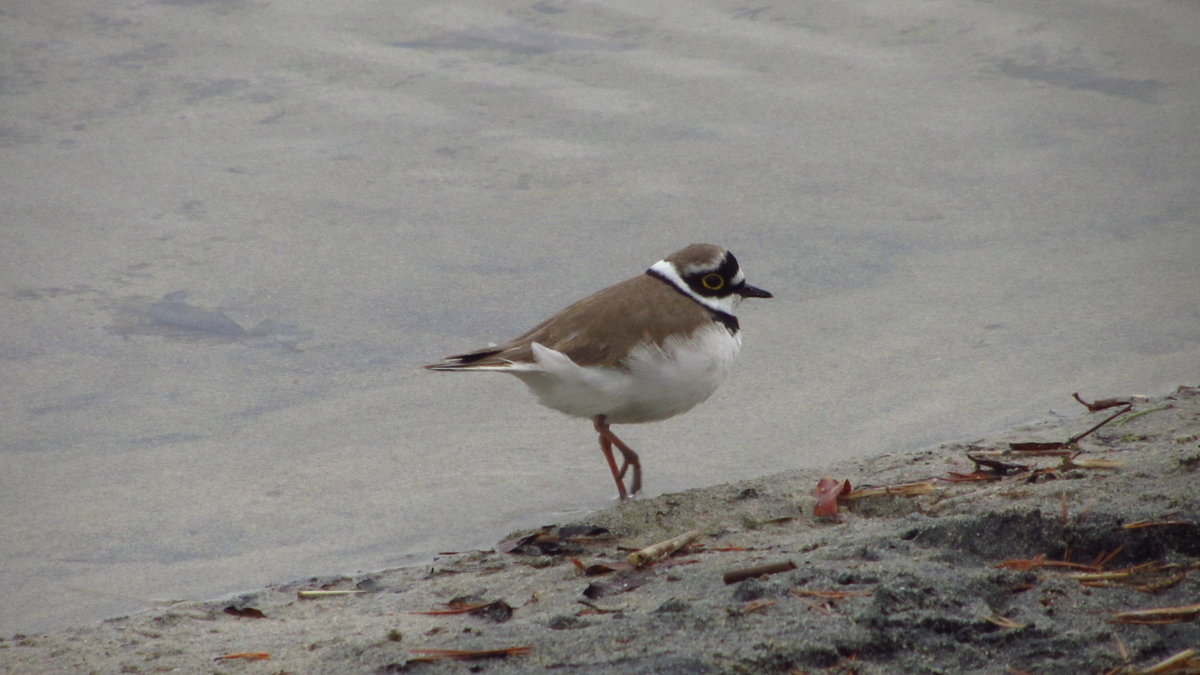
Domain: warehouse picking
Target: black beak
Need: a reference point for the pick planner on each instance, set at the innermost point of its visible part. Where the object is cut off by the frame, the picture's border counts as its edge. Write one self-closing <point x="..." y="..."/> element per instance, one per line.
<point x="748" y="291"/>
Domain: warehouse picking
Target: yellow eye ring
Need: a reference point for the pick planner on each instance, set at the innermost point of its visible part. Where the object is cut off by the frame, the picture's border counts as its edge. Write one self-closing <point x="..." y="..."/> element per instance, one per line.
<point x="713" y="282"/>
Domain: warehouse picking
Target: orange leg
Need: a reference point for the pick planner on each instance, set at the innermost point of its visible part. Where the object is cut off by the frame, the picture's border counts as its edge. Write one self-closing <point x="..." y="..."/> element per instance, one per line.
<point x="629" y="458"/>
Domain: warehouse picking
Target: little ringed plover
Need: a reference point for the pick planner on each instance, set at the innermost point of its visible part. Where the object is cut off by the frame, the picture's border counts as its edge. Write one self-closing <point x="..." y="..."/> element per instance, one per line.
<point x="642" y="350"/>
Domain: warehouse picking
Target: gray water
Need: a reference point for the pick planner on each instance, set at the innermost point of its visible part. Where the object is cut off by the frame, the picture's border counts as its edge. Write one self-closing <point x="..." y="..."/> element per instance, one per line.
<point x="233" y="231"/>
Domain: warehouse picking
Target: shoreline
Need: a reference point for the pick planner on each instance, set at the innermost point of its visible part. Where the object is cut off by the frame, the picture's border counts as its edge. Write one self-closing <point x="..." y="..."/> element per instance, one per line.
<point x="985" y="574"/>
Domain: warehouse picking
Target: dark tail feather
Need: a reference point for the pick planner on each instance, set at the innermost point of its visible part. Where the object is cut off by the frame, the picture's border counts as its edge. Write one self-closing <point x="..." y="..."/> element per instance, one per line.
<point x="462" y="361"/>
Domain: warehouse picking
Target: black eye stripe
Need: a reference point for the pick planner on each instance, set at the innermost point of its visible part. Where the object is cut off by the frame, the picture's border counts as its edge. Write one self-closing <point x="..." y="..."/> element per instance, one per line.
<point x="727" y="270"/>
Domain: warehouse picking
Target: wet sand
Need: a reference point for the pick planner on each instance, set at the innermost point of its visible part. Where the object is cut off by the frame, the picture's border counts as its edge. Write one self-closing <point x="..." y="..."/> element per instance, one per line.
<point x="972" y="576"/>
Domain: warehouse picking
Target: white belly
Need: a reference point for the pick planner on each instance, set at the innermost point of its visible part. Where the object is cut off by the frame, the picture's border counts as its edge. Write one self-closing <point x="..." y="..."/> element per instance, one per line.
<point x="654" y="383"/>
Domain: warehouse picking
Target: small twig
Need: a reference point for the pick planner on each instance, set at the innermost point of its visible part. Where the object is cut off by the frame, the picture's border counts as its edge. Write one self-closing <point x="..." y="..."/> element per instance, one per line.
<point x="1159" y="615"/>
<point x="1103" y="560"/>
<point x="598" y="609"/>
<point x="1076" y="438"/>
<point x="1150" y="577"/>
<point x="1041" y="448"/>
<point x="1064" y="447"/>
<point x="828" y="595"/>
<point x="1122" y="651"/>
<point x="1171" y="663"/>
<point x="1102" y="404"/>
<point x="973" y="477"/>
<point x="741" y="574"/>
<point x="428" y="655"/>
<point x="997" y="467"/>
<point x="753" y="606"/>
<point x="1040" y="561"/>
<point x="245" y="656"/>
<point x="828" y="598"/>
<point x="1138" y="524"/>
<point x="824" y="607"/>
<point x="309" y="595"/>
<point x="1139" y="413"/>
<point x="464" y="609"/>
<point x="661" y="550"/>
<point x="902" y="489"/>
<point x="1004" y="622"/>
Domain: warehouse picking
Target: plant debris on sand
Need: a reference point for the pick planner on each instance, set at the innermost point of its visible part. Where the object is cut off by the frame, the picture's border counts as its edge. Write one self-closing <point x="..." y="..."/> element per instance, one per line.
<point x="1020" y="554"/>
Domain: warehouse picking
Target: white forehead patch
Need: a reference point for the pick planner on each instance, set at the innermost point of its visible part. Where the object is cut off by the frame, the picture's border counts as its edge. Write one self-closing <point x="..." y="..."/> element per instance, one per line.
<point x="702" y="267"/>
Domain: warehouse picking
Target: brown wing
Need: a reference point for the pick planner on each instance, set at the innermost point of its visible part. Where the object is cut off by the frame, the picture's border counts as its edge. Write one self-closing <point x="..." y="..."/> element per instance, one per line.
<point x="600" y="329"/>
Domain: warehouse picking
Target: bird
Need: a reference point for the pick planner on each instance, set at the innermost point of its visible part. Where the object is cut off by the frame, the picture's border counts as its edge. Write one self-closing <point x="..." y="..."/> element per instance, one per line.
<point x="642" y="350"/>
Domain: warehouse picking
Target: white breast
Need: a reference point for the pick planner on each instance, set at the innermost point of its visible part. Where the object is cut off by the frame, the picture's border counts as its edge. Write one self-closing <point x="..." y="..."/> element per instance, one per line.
<point x="654" y="384"/>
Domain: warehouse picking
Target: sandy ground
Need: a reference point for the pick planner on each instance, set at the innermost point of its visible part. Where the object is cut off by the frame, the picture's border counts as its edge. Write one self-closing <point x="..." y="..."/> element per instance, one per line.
<point x="978" y="576"/>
